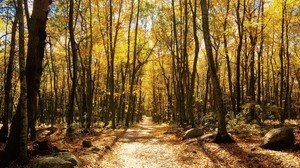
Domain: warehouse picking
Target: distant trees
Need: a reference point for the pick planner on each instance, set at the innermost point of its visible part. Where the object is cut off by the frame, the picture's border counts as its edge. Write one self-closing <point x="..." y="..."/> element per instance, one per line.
<point x="248" y="70"/>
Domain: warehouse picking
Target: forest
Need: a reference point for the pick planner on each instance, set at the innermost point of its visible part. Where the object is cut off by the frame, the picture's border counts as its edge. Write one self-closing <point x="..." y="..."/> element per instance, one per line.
<point x="196" y="80"/>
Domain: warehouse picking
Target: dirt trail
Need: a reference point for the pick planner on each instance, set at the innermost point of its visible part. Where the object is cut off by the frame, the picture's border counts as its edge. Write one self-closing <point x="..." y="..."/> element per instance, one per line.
<point x="144" y="145"/>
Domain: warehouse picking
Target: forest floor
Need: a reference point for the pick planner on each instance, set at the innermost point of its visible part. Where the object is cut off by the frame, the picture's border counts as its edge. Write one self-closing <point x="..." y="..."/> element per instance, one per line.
<point x="152" y="145"/>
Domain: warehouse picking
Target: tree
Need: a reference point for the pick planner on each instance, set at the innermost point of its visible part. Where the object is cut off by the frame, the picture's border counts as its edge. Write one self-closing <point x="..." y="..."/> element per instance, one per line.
<point x="240" y="26"/>
<point x="222" y="135"/>
<point x="35" y="55"/>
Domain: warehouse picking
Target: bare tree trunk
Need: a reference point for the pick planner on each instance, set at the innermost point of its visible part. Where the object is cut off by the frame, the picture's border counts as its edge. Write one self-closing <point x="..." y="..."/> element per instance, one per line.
<point x="128" y="56"/>
<point x="288" y="88"/>
<point x="191" y="103"/>
<point x="131" y="107"/>
<point x="281" y="57"/>
<point x="90" y="84"/>
<point x="229" y="73"/>
<point x="240" y="25"/>
<point x="35" y="55"/>
<point x="71" y="103"/>
<point x="260" y="54"/>
<point x="222" y="136"/>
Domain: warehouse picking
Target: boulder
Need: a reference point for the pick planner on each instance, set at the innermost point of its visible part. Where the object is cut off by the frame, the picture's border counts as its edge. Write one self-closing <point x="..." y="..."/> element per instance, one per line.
<point x="86" y="144"/>
<point x="192" y="133"/>
<point x="279" y="138"/>
<point x="51" y="162"/>
<point x="67" y="156"/>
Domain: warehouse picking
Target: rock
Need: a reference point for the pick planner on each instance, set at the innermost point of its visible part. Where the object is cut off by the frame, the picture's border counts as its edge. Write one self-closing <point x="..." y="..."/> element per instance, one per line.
<point x="95" y="149"/>
<point x="67" y="156"/>
<point x="192" y="133"/>
<point x="279" y="138"/>
<point x="86" y="144"/>
<point x="51" y="162"/>
<point x="101" y="148"/>
<point x="253" y="148"/>
<point x="107" y="148"/>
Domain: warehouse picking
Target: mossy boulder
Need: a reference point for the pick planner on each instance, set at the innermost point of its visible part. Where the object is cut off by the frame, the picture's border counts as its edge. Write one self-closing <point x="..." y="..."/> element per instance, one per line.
<point x="52" y="162"/>
<point x="279" y="138"/>
<point x="67" y="156"/>
<point x="87" y="144"/>
<point x="192" y="133"/>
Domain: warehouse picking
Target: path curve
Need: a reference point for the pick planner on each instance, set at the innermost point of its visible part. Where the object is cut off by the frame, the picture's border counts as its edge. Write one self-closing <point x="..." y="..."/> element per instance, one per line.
<point x="143" y="146"/>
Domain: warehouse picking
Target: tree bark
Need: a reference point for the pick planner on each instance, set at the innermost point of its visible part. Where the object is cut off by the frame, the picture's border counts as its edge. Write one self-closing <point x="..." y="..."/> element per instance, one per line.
<point x="35" y="55"/>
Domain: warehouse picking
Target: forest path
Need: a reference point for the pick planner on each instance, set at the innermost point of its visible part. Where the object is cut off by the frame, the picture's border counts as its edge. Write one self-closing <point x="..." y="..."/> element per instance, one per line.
<point x="144" y="145"/>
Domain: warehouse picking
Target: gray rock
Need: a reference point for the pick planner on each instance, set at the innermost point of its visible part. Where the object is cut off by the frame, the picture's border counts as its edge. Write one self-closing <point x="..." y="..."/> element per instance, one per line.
<point x="87" y="144"/>
<point x="279" y="138"/>
<point x="51" y="162"/>
<point x="67" y="156"/>
<point x="192" y="133"/>
<point x="101" y="148"/>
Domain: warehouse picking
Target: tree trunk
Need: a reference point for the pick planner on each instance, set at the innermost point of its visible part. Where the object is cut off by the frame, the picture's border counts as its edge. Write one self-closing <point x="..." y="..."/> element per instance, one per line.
<point x="128" y="55"/>
<point x="229" y="73"/>
<point x="90" y="83"/>
<point x="240" y="25"/>
<point x="71" y="102"/>
<point x="222" y="135"/>
<point x="281" y="58"/>
<point x="35" y="55"/>
<point x="191" y="103"/>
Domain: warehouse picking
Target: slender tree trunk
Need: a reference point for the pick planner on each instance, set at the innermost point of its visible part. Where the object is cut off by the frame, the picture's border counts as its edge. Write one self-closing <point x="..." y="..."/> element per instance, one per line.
<point x="131" y="107"/>
<point x="260" y="54"/>
<point x="229" y="73"/>
<point x="288" y="88"/>
<point x="222" y="136"/>
<point x="206" y="91"/>
<point x="55" y="83"/>
<point x="90" y="85"/>
<point x="191" y="100"/>
<point x="71" y="102"/>
<point x="281" y="58"/>
<point x="240" y="25"/>
<point x="128" y="55"/>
